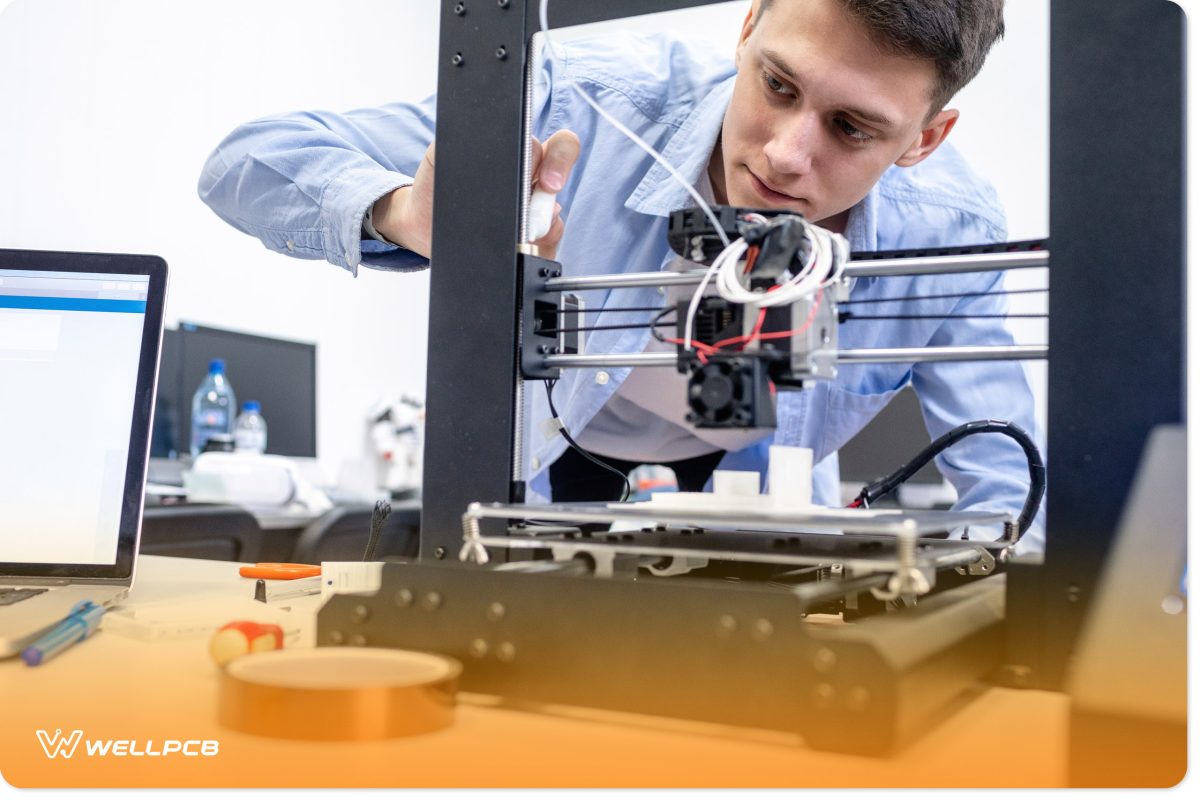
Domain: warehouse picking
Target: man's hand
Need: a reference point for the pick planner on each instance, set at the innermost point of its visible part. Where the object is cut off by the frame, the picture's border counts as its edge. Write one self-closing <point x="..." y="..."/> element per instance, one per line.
<point x="405" y="216"/>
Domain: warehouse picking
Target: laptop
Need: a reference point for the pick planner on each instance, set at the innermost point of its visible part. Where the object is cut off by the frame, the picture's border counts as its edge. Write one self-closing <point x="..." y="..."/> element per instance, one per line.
<point x="80" y="335"/>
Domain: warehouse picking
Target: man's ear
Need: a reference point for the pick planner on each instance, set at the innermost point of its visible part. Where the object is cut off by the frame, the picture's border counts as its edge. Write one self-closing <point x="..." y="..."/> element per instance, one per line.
<point x="928" y="140"/>
<point x="747" y="29"/>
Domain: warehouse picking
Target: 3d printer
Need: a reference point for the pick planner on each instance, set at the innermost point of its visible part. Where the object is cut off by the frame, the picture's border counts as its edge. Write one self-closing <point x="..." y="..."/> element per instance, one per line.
<point x="605" y="619"/>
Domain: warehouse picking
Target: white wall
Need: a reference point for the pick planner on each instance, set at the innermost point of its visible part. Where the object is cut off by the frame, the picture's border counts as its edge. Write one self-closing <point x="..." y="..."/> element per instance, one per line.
<point x="109" y="108"/>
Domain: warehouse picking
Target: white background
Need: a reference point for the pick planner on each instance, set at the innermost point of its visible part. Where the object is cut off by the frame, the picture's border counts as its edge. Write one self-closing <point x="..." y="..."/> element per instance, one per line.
<point x="111" y="106"/>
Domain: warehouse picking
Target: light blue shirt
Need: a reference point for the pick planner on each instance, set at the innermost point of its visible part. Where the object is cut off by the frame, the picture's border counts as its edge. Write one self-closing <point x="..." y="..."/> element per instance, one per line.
<point x="302" y="183"/>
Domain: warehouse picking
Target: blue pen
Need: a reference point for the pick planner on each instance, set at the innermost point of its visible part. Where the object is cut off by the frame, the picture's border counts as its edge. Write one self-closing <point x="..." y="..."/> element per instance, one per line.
<point x="75" y="627"/>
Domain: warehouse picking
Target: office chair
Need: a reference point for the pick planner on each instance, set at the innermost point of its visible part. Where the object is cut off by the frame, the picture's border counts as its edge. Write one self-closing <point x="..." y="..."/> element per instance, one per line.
<point x="222" y="533"/>
<point x="342" y="533"/>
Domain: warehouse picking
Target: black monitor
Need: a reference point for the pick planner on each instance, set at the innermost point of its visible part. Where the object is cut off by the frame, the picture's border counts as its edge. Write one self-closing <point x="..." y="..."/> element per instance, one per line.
<point x="280" y="374"/>
<point x="888" y="441"/>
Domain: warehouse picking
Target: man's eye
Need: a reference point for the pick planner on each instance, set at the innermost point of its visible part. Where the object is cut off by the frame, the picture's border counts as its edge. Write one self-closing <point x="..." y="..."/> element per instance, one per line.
<point x="773" y="84"/>
<point x="846" y="127"/>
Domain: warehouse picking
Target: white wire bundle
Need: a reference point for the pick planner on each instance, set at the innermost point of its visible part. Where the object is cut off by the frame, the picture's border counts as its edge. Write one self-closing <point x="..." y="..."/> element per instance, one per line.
<point x="633" y="137"/>
<point x="827" y="259"/>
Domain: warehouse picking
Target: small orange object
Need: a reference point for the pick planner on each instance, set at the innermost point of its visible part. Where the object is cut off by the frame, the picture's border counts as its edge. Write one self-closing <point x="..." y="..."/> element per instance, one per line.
<point x="241" y="637"/>
<point x="277" y="571"/>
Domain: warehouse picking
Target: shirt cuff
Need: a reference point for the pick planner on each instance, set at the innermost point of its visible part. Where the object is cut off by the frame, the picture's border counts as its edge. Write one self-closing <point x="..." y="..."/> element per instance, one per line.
<point x="344" y="203"/>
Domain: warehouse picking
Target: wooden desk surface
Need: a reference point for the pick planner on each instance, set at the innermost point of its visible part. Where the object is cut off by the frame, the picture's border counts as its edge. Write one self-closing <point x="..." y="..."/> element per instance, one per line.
<point x="117" y="687"/>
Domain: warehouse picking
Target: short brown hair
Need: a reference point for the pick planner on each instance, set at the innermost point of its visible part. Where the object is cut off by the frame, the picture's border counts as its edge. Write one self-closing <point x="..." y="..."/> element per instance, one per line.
<point x="955" y="34"/>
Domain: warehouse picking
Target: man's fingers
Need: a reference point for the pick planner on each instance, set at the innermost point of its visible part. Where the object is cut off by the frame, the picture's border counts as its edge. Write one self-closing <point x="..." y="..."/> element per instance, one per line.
<point x="557" y="157"/>
<point x="548" y="244"/>
<point x="537" y="155"/>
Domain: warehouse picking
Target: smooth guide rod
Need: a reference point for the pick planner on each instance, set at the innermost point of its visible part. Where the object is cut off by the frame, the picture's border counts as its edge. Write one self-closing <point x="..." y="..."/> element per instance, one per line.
<point x="883" y="355"/>
<point x="884" y="267"/>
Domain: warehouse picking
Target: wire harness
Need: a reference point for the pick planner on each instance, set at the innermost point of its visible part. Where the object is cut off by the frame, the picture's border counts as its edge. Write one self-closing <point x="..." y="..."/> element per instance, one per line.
<point x="805" y="258"/>
<point x="1037" y="468"/>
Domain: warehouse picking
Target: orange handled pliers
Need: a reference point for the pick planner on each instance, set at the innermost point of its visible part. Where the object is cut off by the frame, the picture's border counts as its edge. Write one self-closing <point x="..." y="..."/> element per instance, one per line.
<point x="278" y="571"/>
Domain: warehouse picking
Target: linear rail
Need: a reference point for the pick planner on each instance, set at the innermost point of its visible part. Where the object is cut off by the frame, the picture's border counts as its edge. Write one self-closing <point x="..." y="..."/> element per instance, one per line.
<point x="882" y="355"/>
<point x="885" y="267"/>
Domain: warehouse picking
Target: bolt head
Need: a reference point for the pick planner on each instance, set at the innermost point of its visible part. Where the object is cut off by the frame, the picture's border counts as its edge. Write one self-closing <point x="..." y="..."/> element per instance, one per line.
<point x="439" y="552"/>
<point x="824" y="660"/>
<point x="858" y="698"/>
<point x="403" y="598"/>
<point x="823" y="695"/>
<point x="506" y="652"/>
<point x="496" y="611"/>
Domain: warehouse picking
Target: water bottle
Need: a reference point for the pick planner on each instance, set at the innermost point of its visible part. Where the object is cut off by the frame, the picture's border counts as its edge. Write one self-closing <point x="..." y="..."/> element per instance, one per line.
<point x="250" y="430"/>
<point x="213" y="406"/>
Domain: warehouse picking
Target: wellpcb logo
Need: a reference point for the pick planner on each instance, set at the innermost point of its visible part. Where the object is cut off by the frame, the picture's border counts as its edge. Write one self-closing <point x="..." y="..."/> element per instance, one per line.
<point x="57" y="744"/>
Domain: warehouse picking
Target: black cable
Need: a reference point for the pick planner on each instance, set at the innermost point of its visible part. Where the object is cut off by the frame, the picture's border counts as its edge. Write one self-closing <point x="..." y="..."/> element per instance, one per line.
<point x="850" y="316"/>
<point x="589" y="328"/>
<point x="1037" y="468"/>
<point x="655" y="323"/>
<point x="378" y="516"/>
<point x="953" y="296"/>
<point x="563" y="430"/>
<point x="565" y="311"/>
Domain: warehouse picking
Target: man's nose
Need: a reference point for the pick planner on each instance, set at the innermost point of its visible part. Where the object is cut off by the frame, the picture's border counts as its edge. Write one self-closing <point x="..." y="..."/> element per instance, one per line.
<point x="792" y="148"/>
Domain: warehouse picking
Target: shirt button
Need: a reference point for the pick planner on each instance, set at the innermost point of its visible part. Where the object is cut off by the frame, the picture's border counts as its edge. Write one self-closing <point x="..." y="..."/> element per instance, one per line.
<point x="601" y="377"/>
<point x="291" y="246"/>
<point x="536" y="463"/>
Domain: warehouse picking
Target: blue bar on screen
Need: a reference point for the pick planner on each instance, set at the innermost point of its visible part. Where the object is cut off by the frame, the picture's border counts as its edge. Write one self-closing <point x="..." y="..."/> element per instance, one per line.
<point x="72" y="304"/>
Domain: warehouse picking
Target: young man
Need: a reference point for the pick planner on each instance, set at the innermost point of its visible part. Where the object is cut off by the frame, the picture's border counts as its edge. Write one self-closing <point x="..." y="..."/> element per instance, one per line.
<point x="831" y="108"/>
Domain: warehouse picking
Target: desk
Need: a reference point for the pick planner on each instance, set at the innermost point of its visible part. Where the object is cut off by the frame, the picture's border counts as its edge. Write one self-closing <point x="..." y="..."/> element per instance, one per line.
<point x="213" y="531"/>
<point x="123" y="688"/>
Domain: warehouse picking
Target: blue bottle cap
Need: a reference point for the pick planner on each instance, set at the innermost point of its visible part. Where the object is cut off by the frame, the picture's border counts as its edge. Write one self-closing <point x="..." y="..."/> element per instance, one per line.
<point x="251" y="405"/>
<point x="216" y="366"/>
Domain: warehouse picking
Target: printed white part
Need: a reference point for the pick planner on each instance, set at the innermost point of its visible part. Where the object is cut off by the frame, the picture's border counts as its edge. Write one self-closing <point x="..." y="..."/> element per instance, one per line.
<point x="735" y="483"/>
<point x="541" y="214"/>
<point x="789" y="477"/>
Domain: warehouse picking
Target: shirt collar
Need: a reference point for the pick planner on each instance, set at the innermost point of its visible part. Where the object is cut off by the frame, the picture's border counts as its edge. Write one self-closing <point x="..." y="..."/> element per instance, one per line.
<point x="688" y="150"/>
<point x="861" y="230"/>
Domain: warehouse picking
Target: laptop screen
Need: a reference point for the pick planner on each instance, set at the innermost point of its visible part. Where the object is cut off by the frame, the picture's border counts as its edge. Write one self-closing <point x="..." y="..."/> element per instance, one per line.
<point x="72" y="350"/>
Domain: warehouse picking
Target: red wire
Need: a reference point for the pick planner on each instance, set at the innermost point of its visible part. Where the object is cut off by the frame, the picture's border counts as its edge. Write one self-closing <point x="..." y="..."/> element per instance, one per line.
<point x="709" y="349"/>
<point x="751" y="257"/>
<point x="700" y="346"/>
<point x="812" y="314"/>
<point x="762" y="316"/>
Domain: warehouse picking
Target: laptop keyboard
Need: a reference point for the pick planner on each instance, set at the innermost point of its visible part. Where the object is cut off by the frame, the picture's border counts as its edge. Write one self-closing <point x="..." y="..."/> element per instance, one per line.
<point x="10" y="596"/>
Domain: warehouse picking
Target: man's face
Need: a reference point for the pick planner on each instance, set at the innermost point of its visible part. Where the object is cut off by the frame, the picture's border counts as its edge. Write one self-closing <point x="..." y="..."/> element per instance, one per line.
<point x="819" y="112"/>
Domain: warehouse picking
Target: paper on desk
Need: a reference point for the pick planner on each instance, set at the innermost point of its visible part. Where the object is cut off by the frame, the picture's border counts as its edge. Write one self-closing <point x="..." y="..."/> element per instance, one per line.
<point x="168" y="620"/>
